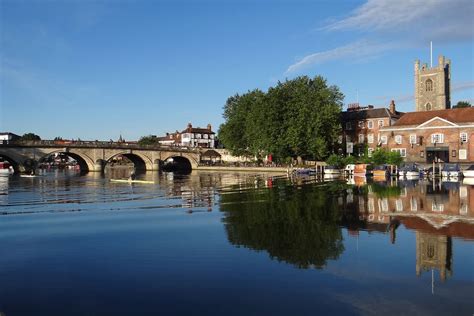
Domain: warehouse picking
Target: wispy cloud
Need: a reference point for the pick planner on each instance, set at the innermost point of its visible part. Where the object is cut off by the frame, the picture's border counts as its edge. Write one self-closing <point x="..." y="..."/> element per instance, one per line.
<point x="356" y="51"/>
<point x="444" y="20"/>
<point x="405" y="22"/>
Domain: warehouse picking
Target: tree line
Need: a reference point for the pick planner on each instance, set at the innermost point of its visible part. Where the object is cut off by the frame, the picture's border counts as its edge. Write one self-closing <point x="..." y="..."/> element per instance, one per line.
<point x="298" y="118"/>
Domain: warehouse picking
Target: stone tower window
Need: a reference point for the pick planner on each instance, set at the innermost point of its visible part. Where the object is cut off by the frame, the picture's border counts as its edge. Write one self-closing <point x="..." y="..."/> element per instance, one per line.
<point x="428" y="106"/>
<point x="429" y="85"/>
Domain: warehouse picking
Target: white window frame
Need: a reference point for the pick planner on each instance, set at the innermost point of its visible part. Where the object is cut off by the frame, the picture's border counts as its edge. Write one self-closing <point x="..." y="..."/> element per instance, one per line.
<point x="370" y="124"/>
<point x="383" y="139"/>
<point x="361" y="138"/>
<point x="402" y="151"/>
<point x="437" y="138"/>
<point x="380" y="123"/>
<point x="399" y="205"/>
<point x="413" y="139"/>
<point x="398" y="139"/>
<point x="361" y="124"/>
<point x="370" y="151"/>
<point x="462" y="154"/>
<point x="463" y="137"/>
<point x="370" y="138"/>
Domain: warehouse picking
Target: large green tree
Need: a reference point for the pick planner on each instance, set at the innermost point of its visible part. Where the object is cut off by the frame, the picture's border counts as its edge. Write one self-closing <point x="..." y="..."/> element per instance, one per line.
<point x="462" y="104"/>
<point x="30" y="136"/>
<point x="295" y="118"/>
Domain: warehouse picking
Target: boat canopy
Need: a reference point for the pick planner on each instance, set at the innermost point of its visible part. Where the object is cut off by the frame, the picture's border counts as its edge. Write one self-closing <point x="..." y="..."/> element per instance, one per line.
<point x="409" y="167"/>
<point x="471" y="167"/>
<point x="451" y="167"/>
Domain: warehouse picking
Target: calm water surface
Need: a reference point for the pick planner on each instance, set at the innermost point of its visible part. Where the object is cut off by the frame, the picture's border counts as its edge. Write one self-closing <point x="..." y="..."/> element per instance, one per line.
<point x="234" y="244"/>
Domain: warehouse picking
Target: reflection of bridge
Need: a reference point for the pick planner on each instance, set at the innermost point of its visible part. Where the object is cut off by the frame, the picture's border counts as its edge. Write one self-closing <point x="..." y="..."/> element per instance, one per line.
<point x="93" y="156"/>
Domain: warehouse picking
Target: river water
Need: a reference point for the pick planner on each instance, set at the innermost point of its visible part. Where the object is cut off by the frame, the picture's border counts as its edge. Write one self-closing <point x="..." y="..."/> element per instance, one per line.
<point x="234" y="244"/>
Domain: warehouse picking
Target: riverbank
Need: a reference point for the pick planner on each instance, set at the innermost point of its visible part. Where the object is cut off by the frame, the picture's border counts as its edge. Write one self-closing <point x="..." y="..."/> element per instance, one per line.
<point x="278" y="170"/>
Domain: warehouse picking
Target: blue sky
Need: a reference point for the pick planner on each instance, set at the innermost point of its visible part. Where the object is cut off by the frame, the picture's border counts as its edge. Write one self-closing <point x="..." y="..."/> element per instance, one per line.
<point x="95" y="69"/>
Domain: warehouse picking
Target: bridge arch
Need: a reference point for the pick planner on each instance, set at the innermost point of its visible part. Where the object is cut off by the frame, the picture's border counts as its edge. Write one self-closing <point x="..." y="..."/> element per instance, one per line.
<point x="15" y="162"/>
<point x="85" y="162"/>
<point x="139" y="160"/>
<point x="182" y="158"/>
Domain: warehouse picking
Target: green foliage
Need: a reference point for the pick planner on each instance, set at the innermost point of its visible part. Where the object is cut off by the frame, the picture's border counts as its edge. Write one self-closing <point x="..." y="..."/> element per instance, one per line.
<point x="335" y="160"/>
<point x="380" y="156"/>
<point x="30" y="137"/>
<point x="298" y="117"/>
<point x="394" y="158"/>
<point x="462" y="104"/>
<point x="349" y="160"/>
<point x="148" y="140"/>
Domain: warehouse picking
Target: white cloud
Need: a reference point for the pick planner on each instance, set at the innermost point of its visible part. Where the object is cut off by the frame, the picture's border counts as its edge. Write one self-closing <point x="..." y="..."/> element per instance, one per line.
<point x="356" y="51"/>
<point x="441" y="20"/>
<point x="406" y="23"/>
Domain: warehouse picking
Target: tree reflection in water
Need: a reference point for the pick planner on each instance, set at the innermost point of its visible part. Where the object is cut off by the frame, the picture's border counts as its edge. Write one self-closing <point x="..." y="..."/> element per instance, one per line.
<point x="295" y="225"/>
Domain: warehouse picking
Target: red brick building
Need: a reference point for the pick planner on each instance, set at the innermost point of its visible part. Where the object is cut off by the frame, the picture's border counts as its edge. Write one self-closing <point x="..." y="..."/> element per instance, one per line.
<point x="361" y="127"/>
<point x="440" y="136"/>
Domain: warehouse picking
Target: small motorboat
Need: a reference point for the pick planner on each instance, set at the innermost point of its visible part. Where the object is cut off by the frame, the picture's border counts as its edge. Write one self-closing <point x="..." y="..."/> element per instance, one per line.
<point x="381" y="171"/>
<point x="6" y="168"/>
<point x="451" y="170"/>
<point x="469" y="172"/>
<point x="362" y="169"/>
<point x="409" y="171"/>
<point x="331" y="170"/>
<point x="302" y="171"/>
<point x="349" y="169"/>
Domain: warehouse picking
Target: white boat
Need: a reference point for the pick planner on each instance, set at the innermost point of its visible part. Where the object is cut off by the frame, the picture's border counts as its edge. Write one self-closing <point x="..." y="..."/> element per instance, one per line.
<point x="451" y="170"/>
<point x="410" y="171"/>
<point x="349" y="169"/>
<point x="331" y="170"/>
<point x="469" y="172"/>
<point x="5" y="168"/>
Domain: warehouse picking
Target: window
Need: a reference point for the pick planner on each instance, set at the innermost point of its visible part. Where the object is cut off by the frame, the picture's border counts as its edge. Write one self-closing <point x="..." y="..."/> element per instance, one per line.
<point x="437" y="207"/>
<point x="453" y="153"/>
<point x="437" y="138"/>
<point x="398" y="139"/>
<point x="348" y="139"/>
<point x="361" y="138"/>
<point x="463" y="154"/>
<point x="383" y="140"/>
<point x="402" y="151"/>
<point x="380" y="123"/>
<point x="370" y="124"/>
<point x="348" y="125"/>
<point x="412" y="139"/>
<point x="422" y="154"/>
<point x="370" y="138"/>
<point x="361" y="124"/>
<point x="205" y="136"/>
<point x="463" y="137"/>
<point x="370" y="151"/>
<point x="399" y="205"/>
<point x="429" y="85"/>
<point x="413" y="204"/>
<point x="428" y="106"/>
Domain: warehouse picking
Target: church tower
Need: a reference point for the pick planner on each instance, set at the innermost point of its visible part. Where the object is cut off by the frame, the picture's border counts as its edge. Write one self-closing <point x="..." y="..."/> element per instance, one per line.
<point x="433" y="85"/>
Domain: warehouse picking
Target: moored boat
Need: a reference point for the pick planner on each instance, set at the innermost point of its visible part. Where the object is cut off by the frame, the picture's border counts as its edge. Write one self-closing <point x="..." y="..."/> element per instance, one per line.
<point x="6" y="168"/>
<point x="451" y="170"/>
<point x="409" y="171"/>
<point x="469" y="172"/>
<point x="362" y="169"/>
<point x="381" y="171"/>
<point x="332" y="170"/>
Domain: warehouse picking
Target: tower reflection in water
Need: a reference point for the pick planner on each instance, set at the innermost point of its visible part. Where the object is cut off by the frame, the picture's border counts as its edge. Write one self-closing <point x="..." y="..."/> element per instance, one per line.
<point x="303" y="227"/>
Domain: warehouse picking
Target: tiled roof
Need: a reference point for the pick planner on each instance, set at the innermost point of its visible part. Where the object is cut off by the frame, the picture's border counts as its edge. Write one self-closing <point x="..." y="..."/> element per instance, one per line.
<point x="368" y="114"/>
<point x="198" y="130"/>
<point x="463" y="115"/>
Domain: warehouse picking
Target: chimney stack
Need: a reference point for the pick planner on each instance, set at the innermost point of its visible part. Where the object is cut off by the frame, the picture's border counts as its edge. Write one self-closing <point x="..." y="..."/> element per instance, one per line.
<point x="209" y="127"/>
<point x="391" y="108"/>
<point x="189" y="127"/>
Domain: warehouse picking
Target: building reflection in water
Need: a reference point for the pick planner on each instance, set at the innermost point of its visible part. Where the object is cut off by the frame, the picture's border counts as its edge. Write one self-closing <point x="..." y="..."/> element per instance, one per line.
<point x="437" y="211"/>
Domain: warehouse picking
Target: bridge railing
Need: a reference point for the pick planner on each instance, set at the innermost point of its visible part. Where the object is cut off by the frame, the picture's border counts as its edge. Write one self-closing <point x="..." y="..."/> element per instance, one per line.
<point x="96" y="144"/>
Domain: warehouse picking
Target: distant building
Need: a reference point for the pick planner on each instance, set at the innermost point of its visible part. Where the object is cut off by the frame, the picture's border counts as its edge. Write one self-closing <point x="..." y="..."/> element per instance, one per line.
<point x="198" y="137"/>
<point x="7" y="137"/>
<point x="440" y="136"/>
<point x="191" y="137"/>
<point x="361" y="127"/>
<point x="433" y="86"/>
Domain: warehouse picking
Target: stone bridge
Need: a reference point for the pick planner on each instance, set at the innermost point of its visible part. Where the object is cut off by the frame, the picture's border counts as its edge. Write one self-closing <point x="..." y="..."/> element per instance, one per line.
<point x="93" y="156"/>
